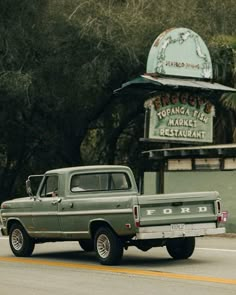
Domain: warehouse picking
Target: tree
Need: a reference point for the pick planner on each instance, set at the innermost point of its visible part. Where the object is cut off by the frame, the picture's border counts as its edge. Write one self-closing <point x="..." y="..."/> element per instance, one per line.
<point x="60" y="62"/>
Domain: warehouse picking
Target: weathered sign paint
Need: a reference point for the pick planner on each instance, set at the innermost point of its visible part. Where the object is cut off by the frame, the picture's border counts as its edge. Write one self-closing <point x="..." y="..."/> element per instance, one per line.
<point x="180" y="52"/>
<point x="179" y="117"/>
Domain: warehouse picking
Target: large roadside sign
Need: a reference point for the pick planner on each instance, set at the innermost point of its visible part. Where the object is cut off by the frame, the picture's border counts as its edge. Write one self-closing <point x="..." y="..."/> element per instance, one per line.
<point x="180" y="52"/>
<point x="175" y="115"/>
<point x="179" y="117"/>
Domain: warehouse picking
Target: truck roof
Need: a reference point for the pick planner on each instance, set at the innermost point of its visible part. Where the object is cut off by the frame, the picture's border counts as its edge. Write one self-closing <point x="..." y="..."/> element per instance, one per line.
<point x="87" y="168"/>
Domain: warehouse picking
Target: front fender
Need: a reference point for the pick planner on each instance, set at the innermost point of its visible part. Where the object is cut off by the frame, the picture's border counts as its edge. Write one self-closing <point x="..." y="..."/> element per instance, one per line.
<point x="10" y="222"/>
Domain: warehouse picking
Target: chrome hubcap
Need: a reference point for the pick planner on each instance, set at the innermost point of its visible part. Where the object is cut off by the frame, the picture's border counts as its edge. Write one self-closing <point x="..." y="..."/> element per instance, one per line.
<point x="17" y="239"/>
<point x="103" y="246"/>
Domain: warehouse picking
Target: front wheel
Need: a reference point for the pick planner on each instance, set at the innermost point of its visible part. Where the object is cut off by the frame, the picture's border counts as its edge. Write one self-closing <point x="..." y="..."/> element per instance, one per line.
<point x="20" y="242"/>
<point x="181" y="248"/>
<point x="108" y="246"/>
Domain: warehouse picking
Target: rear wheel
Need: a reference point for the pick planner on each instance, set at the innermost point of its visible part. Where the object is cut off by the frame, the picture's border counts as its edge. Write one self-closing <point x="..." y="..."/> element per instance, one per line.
<point x="87" y="245"/>
<point x="20" y="242"/>
<point x="108" y="246"/>
<point x="181" y="248"/>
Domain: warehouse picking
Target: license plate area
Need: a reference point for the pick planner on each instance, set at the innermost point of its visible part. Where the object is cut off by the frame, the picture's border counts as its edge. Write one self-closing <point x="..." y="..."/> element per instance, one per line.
<point x="177" y="226"/>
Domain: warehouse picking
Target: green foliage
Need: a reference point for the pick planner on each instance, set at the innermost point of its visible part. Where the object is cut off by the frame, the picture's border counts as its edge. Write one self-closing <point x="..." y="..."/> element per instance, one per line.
<point x="229" y="101"/>
<point x="15" y="83"/>
<point x="224" y="41"/>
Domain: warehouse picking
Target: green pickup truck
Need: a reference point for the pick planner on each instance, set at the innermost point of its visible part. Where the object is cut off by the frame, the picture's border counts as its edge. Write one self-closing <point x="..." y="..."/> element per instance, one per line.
<point x="100" y="207"/>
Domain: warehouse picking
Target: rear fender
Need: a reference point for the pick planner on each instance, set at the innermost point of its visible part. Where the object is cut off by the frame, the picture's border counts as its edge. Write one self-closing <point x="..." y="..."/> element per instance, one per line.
<point x="97" y="223"/>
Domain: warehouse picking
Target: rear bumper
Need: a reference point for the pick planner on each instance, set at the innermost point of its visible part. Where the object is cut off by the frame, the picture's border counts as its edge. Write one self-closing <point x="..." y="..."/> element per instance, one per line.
<point x="186" y="230"/>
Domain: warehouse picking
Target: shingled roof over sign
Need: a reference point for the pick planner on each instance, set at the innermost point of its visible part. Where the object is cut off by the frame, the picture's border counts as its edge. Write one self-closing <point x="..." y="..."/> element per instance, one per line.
<point x="159" y="83"/>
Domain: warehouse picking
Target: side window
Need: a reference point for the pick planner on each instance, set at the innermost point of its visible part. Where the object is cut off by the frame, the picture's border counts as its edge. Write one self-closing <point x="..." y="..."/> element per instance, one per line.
<point x="89" y="182"/>
<point x="50" y="187"/>
<point x="120" y="181"/>
<point x="100" y="182"/>
<point x="76" y="185"/>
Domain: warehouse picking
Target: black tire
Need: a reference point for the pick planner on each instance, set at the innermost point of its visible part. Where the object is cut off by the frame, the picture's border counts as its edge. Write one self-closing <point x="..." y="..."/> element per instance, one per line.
<point x="20" y="242"/>
<point x="87" y="245"/>
<point x="181" y="248"/>
<point x="108" y="246"/>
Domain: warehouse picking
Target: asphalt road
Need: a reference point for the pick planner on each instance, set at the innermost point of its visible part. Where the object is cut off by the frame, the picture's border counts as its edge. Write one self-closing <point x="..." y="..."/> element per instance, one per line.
<point x="63" y="268"/>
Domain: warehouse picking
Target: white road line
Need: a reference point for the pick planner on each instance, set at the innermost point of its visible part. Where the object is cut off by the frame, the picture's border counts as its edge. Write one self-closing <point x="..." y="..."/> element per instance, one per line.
<point x="215" y="249"/>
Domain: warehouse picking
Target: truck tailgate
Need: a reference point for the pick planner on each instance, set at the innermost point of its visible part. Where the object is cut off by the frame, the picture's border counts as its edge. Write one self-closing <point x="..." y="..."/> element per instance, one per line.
<point x="178" y="208"/>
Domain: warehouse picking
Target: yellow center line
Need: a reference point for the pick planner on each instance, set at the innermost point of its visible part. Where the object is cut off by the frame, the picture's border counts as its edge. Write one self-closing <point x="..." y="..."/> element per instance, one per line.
<point x="114" y="269"/>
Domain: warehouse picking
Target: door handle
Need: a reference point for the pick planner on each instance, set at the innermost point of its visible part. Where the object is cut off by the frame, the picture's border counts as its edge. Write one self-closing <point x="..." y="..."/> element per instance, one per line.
<point x="56" y="201"/>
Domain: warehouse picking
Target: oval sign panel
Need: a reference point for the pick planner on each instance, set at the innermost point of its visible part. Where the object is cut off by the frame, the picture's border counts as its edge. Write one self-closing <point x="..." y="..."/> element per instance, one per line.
<point x="180" y="52"/>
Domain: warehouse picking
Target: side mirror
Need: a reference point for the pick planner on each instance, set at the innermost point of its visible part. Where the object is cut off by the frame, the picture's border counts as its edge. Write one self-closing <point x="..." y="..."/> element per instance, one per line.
<point x="36" y="179"/>
<point x="28" y="187"/>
